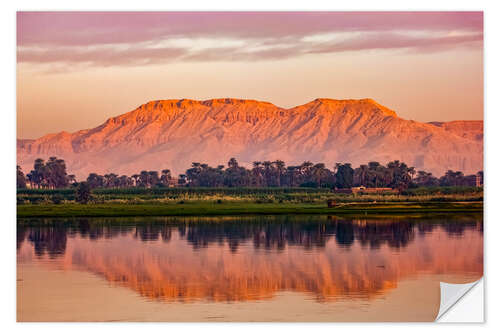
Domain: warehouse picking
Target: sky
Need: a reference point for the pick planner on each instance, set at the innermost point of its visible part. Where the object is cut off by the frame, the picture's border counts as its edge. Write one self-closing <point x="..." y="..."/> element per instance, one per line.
<point x="76" y="69"/>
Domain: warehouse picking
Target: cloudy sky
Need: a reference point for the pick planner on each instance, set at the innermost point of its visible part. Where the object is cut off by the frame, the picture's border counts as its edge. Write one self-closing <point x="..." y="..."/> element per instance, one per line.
<point x="77" y="69"/>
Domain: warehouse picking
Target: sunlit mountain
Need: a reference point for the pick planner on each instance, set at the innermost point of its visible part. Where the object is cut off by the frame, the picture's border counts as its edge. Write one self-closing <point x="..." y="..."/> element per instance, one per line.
<point x="174" y="133"/>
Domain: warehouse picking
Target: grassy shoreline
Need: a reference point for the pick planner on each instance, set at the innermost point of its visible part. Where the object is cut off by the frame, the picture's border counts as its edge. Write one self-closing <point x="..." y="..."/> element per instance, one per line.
<point x="243" y="208"/>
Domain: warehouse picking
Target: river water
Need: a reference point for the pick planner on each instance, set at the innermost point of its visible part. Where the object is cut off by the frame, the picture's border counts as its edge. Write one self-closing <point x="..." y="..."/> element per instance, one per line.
<point x="264" y="268"/>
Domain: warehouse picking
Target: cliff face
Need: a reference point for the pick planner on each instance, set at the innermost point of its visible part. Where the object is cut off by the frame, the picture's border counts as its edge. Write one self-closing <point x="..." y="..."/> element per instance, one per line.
<point x="470" y="129"/>
<point x="174" y="133"/>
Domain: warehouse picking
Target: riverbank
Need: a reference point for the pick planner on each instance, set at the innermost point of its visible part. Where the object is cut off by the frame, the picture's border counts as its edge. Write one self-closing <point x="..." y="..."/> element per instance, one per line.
<point x="231" y="208"/>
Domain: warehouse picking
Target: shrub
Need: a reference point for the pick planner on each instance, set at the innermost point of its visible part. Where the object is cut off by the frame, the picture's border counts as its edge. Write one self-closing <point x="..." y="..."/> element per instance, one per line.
<point x="82" y="194"/>
<point x="57" y="199"/>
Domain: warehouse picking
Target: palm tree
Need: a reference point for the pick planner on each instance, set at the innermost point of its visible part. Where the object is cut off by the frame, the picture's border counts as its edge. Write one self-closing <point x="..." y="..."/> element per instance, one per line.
<point x="94" y="180"/>
<point x="257" y="177"/>
<point x="55" y="173"/>
<point x="426" y="179"/>
<point x="306" y="172"/>
<point x="280" y="169"/>
<point x="144" y="179"/>
<point x="153" y="178"/>
<point x="267" y="165"/>
<point x="375" y="173"/>
<point x="412" y="172"/>
<point x="362" y="174"/>
<point x="21" y="179"/>
<point x="232" y="163"/>
<point x="182" y="179"/>
<point x="452" y="178"/>
<point x="107" y="180"/>
<point x="30" y="176"/>
<point x="124" y="181"/>
<point x="166" y="177"/>
<point x="292" y="173"/>
<point x="71" y="179"/>
<point x="135" y="177"/>
<point x="344" y="175"/>
<point x="39" y="172"/>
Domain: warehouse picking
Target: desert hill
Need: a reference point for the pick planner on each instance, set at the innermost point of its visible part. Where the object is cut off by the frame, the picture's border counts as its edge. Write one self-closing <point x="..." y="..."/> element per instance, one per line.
<point x="174" y="133"/>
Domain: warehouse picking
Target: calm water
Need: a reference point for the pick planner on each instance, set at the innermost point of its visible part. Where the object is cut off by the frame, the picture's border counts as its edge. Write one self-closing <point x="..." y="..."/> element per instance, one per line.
<point x="287" y="268"/>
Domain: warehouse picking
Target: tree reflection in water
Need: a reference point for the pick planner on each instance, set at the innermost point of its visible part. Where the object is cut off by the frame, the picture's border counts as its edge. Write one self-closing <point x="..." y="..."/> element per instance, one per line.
<point x="253" y="258"/>
<point x="266" y="232"/>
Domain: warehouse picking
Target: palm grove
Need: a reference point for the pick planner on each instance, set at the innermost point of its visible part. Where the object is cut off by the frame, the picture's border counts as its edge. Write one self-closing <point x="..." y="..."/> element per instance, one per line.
<point x="52" y="174"/>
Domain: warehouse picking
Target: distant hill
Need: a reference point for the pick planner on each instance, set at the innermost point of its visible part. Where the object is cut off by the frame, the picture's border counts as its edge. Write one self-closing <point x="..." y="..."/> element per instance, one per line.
<point x="174" y="133"/>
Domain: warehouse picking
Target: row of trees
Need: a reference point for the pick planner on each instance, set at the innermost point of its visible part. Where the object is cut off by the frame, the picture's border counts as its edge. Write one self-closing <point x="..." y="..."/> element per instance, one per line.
<point x="395" y="174"/>
<point x="262" y="174"/>
<point x="143" y="179"/>
<point x="50" y="174"/>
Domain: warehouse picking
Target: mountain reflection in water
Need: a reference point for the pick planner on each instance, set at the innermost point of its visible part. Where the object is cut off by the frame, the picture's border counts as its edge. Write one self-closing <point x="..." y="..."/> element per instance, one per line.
<point x="254" y="258"/>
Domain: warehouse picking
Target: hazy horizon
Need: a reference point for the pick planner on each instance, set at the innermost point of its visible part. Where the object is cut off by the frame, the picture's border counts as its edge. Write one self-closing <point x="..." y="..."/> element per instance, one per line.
<point x="77" y="69"/>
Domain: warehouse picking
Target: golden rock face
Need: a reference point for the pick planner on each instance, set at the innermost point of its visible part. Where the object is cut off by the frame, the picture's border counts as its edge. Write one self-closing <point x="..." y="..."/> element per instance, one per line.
<point x="174" y="133"/>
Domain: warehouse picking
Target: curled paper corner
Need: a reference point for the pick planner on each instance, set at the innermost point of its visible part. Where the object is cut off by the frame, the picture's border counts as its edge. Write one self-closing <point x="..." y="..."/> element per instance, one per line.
<point x="452" y="293"/>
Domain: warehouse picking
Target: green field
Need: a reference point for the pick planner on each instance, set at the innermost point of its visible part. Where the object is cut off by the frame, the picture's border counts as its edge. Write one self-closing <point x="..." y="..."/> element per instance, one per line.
<point x="234" y="208"/>
<point x="241" y="201"/>
<point x="249" y="195"/>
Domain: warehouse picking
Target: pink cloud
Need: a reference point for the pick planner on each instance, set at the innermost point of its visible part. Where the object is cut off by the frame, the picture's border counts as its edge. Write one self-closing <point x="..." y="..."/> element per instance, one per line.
<point x="89" y="28"/>
<point x="396" y="41"/>
<point x="48" y="37"/>
<point x="103" y="57"/>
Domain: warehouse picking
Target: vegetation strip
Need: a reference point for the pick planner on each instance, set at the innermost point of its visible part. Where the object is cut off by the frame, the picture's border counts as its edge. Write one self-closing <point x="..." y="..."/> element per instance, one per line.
<point x="213" y="209"/>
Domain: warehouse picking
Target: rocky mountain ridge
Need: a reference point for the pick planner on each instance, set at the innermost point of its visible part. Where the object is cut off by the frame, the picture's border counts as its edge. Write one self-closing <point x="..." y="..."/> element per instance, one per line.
<point x="174" y="133"/>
